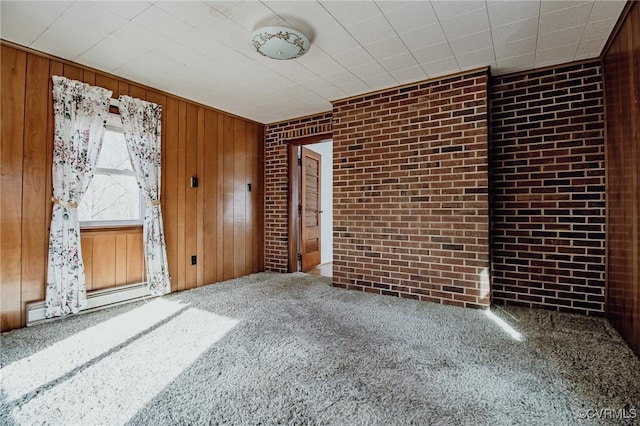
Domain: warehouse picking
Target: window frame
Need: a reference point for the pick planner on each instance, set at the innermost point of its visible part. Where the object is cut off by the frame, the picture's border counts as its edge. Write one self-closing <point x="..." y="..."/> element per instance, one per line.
<point x="114" y="124"/>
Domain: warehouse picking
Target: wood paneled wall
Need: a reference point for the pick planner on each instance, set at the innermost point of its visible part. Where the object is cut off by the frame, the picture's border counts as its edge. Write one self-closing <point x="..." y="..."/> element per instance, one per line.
<point x="622" y="96"/>
<point x="221" y="221"/>
<point x="117" y="259"/>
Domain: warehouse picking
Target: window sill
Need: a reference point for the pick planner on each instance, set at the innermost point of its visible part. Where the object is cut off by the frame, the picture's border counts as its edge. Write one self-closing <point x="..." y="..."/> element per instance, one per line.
<point x="109" y="228"/>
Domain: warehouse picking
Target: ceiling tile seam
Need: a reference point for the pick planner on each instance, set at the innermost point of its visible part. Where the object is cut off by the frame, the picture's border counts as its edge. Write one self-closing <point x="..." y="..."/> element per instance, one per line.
<point x="403" y="43"/>
<point x="173" y="16"/>
<point x="315" y="46"/>
<point x="584" y="29"/>
<point x="318" y="94"/>
<point x="455" y="58"/>
<point x="119" y="68"/>
<point x="51" y="24"/>
<point x="99" y="3"/>
<point x="344" y="28"/>
<point x="131" y="21"/>
<point x="240" y="52"/>
<point x="493" y="43"/>
<point x="104" y="38"/>
<point x="227" y="13"/>
<point x="175" y="40"/>
<point x="535" y="51"/>
<point x="153" y="30"/>
<point x="374" y="58"/>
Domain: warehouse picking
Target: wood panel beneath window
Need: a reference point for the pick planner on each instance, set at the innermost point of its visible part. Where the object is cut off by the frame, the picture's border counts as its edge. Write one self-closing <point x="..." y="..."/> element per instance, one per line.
<point x="113" y="257"/>
<point x="622" y="91"/>
<point x="220" y="222"/>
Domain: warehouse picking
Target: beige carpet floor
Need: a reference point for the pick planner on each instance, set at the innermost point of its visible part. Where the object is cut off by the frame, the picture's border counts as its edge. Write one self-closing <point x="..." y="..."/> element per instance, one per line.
<point x="290" y="349"/>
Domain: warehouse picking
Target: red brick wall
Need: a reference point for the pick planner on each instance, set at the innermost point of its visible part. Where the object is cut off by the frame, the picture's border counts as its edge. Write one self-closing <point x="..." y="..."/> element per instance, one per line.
<point x="411" y="191"/>
<point x="548" y="193"/>
<point x="276" y="183"/>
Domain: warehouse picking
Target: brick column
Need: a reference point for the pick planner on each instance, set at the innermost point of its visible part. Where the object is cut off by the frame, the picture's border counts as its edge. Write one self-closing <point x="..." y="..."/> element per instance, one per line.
<point x="411" y="209"/>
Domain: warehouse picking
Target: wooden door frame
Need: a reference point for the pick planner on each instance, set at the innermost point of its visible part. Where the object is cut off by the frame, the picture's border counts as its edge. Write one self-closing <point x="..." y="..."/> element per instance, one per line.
<point x="310" y="258"/>
<point x="293" y="196"/>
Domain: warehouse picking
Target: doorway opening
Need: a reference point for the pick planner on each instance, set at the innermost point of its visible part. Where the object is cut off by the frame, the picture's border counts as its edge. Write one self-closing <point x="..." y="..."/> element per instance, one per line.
<point x="311" y="205"/>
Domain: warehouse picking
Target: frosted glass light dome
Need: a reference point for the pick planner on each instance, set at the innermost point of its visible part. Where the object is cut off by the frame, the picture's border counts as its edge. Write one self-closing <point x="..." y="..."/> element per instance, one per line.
<point x="279" y="42"/>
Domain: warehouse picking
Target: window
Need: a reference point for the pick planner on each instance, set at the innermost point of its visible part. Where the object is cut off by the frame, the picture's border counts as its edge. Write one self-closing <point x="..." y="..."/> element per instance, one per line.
<point x="113" y="197"/>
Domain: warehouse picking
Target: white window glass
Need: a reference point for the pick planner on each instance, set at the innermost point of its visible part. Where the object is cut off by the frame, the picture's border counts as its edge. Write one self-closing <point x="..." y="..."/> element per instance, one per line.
<point x="113" y="197"/>
<point x="114" y="154"/>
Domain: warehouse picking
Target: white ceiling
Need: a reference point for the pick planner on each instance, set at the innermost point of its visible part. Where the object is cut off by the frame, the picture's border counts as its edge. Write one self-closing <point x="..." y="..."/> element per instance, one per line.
<point x="199" y="49"/>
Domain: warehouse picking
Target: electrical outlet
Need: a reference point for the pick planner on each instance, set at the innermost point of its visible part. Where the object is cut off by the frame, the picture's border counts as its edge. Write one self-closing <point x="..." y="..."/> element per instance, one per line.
<point x="194" y="260"/>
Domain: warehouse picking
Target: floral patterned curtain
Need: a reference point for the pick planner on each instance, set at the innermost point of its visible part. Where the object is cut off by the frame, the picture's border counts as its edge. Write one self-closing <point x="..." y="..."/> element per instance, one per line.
<point x="142" y="129"/>
<point x="80" y="111"/>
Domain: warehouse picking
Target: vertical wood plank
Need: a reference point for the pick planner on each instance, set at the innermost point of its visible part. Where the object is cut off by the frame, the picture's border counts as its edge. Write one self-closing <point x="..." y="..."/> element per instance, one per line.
<point x="104" y="261"/>
<point x="181" y="201"/>
<point x="200" y="198"/>
<point x="209" y="190"/>
<point x="122" y="255"/>
<point x="57" y="69"/>
<point x="250" y="220"/>
<point x="109" y="83"/>
<point x="239" y="197"/>
<point x="137" y="92"/>
<point x="113" y="257"/>
<point x="220" y="207"/>
<point x="89" y="77"/>
<point x="635" y="76"/>
<point x="170" y="169"/>
<point x="621" y="66"/>
<point x="191" y="207"/>
<point x="13" y="69"/>
<point x="86" y="242"/>
<point x="73" y="72"/>
<point x="34" y="219"/>
<point x="123" y="89"/>
<point x="628" y="199"/>
<point x="135" y="270"/>
<point x="228" y="233"/>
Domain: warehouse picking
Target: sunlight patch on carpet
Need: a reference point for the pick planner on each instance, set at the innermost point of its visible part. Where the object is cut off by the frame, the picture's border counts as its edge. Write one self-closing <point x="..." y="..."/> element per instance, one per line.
<point x="515" y="335"/>
<point x="123" y="381"/>
<point x="61" y="358"/>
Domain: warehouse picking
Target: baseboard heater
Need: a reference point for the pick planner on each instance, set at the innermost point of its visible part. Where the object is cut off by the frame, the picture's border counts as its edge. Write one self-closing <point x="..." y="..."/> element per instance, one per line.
<point x="96" y="300"/>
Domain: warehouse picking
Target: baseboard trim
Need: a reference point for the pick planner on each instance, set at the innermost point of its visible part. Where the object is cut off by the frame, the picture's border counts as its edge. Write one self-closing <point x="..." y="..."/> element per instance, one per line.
<point x="96" y="300"/>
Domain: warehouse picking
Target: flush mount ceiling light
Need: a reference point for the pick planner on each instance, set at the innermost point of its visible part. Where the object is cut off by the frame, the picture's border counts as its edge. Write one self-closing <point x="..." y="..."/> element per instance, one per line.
<point x="279" y="42"/>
